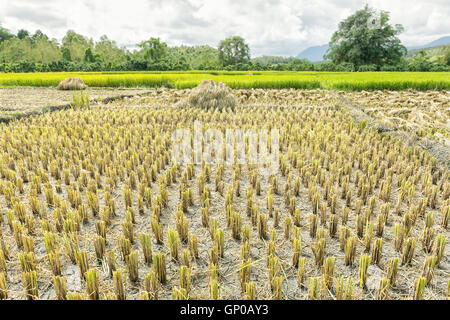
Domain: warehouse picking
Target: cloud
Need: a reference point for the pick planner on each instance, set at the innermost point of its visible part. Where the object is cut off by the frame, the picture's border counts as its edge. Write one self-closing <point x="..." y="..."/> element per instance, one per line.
<point x="271" y="27"/>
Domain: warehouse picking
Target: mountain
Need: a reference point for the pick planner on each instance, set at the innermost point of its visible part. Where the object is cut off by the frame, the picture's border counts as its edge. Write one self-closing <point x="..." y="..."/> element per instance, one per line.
<point x="314" y="54"/>
<point x="435" y="43"/>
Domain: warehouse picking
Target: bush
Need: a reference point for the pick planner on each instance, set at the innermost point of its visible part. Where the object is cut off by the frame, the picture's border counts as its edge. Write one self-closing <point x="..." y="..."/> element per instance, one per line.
<point x="368" y="68"/>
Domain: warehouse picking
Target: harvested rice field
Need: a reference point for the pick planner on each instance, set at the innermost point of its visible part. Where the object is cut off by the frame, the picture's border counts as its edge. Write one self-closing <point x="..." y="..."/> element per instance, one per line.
<point x="343" y="200"/>
<point x="19" y="102"/>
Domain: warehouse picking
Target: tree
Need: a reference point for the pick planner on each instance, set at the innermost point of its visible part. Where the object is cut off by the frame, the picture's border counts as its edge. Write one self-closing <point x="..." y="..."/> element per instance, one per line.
<point x="76" y="44"/>
<point x="109" y="52"/>
<point x="154" y="50"/>
<point x="234" y="50"/>
<point x="4" y="34"/>
<point x="366" y="38"/>
<point x="89" y="56"/>
<point x="39" y="35"/>
<point x="22" y="34"/>
<point x="66" y="54"/>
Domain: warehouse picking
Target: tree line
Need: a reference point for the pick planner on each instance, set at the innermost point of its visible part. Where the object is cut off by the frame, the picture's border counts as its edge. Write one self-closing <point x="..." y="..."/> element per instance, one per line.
<point x="365" y="41"/>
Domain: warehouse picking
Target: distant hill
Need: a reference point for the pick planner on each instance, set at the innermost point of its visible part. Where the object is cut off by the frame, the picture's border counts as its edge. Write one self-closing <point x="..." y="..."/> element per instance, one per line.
<point x="314" y="54"/>
<point x="435" y="43"/>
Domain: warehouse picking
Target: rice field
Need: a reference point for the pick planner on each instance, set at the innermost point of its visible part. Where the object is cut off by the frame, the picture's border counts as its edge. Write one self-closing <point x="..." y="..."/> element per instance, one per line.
<point x="95" y="205"/>
<point x="243" y="80"/>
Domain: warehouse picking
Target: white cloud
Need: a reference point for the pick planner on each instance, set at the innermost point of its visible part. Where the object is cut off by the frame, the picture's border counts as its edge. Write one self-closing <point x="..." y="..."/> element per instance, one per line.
<point x="271" y="27"/>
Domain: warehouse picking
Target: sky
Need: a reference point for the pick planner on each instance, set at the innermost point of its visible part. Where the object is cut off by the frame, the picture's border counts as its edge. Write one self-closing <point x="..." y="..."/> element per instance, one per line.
<point x="270" y="27"/>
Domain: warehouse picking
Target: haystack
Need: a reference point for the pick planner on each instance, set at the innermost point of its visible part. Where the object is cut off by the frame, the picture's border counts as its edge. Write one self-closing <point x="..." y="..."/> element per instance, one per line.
<point x="212" y="95"/>
<point x="72" y="84"/>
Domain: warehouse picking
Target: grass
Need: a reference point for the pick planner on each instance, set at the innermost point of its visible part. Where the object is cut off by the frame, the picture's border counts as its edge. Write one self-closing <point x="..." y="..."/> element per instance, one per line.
<point x="349" y="81"/>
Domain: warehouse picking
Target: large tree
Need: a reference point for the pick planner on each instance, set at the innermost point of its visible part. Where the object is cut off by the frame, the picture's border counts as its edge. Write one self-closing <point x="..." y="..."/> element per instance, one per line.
<point x="77" y="45"/>
<point x="154" y="50"/>
<point x="234" y="50"/>
<point x="365" y="38"/>
<point x="5" y="34"/>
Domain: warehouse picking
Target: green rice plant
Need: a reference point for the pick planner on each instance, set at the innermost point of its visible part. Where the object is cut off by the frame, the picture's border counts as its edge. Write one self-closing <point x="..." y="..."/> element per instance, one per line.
<point x="276" y="218"/>
<point x="350" y="251"/>
<point x="318" y="249"/>
<point x="427" y="238"/>
<point x="333" y="226"/>
<point x="383" y="290"/>
<point x="146" y="245"/>
<point x="344" y="234"/>
<point x="277" y="288"/>
<point x="30" y="285"/>
<point x="76" y="296"/>
<point x="408" y="251"/>
<point x="111" y="261"/>
<point x="194" y="246"/>
<point x="273" y="269"/>
<point x="344" y="288"/>
<point x="399" y="237"/>
<point x="313" y="292"/>
<point x="3" y="267"/>
<point x="157" y="229"/>
<point x="360" y="226"/>
<point x="244" y="273"/>
<point x="363" y="267"/>
<point x="445" y="216"/>
<point x="392" y="271"/>
<point x="262" y="226"/>
<point x="245" y="251"/>
<point x="133" y="266"/>
<point x="236" y="225"/>
<point x="297" y="217"/>
<point x="179" y="294"/>
<point x="185" y="278"/>
<point x="92" y="285"/>
<point x="159" y="267"/>
<point x="301" y="271"/>
<point x="27" y="261"/>
<point x="429" y="268"/>
<point x="100" y="227"/>
<point x="380" y="225"/>
<point x="127" y="230"/>
<point x="28" y="244"/>
<point x="182" y="224"/>
<point x="312" y="225"/>
<point x="219" y="242"/>
<point x="250" y="291"/>
<point x="439" y="247"/>
<point x="100" y="248"/>
<point x="328" y="272"/>
<point x="287" y="228"/>
<point x="297" y="251"/>
<point x="186" y="258"/>
<point x="93" y="203"/>
<point x="82" y="262"/>
<point x="419" y="288"/>
<point x="118" y="281"/>
<point x="127" y="197"/>
<point x="18" y="233"/>
<point x="60" y="285"/>
<point x="4" y="289"/>
<point x="110" y="297"/>
<point x="151" y="285"/>
<point x="55" y="263"/>
<point x="377" y="251"/>
<point x="214" y="290"/>
<point x="125" y="247"/>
